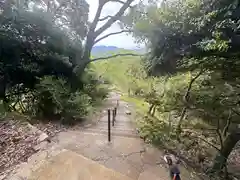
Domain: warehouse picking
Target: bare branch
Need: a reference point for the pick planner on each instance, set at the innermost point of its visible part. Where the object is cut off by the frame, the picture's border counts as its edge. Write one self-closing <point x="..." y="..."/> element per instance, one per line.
<point x="116" y="55"/>
<point x="111" y="34"/>
<point x="105" y="18"/>
<point x="96" y="18"/>
<point x="114" y="18"/>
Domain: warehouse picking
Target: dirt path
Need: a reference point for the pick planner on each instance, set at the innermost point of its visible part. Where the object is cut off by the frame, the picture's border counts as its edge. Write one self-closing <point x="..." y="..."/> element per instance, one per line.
<point x="126" y="153"/>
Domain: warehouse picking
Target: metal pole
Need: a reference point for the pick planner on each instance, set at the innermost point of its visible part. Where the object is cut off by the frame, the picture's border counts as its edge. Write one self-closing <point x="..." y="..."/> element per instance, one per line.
<point x="113" y="117"/>
<point x="109" y="125"/>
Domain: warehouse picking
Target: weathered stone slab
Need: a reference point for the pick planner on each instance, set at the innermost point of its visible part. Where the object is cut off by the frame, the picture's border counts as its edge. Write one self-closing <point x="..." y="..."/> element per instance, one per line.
<point x="72" y="166"/>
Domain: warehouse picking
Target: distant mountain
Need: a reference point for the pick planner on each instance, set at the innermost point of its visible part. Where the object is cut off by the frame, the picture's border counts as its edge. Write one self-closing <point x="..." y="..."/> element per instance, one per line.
<point x="102" y="50"/>
<point x="99" y="50"/>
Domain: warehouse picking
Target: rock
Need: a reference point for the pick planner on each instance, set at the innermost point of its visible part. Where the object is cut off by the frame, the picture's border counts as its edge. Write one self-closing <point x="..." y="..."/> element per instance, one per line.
<point x="42" y="137"/>
<point x="128" y="112"/>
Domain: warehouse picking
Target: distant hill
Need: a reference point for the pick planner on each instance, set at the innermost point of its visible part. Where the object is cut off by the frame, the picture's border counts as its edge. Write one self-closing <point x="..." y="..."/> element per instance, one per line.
<point x="101" y="50"/>
<point x="106" y="50"/>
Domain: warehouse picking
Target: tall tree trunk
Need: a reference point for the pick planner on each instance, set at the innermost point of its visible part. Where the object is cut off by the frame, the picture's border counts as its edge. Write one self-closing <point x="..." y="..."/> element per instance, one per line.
<point x="228" y="145"/>
<point x="85" y="59"/>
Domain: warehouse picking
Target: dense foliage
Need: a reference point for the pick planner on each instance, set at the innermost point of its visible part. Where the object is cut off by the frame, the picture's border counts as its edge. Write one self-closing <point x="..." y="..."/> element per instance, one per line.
<point x="38" y="57"/>
<point x="200" y="39"/>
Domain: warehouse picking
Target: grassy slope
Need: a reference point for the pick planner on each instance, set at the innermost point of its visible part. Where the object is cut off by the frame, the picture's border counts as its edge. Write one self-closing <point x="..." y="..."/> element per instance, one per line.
<point x="114" y="70"/>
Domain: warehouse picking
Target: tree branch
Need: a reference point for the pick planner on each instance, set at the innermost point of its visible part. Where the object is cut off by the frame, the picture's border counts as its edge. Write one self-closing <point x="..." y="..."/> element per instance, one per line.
<point x="114" y="18"/>
<point x="187" y="94"/>
<point x="186" y="98"/>
<point x="111" y="34"/>
<point x="105" y="18"/>
<point x="116" y="55"/>
<point x="229" y="120"/>
<point x="96" y="18"/>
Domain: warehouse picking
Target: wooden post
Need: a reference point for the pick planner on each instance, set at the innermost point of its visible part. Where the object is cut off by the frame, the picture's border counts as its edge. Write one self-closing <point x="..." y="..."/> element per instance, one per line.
<point x="109" y="125"/>
<point x="113" y="117"/>
<point x="115" y="112"/>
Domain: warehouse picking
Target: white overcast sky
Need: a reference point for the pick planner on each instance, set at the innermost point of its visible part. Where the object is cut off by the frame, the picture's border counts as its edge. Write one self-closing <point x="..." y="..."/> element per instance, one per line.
<point x="120" y="40"/>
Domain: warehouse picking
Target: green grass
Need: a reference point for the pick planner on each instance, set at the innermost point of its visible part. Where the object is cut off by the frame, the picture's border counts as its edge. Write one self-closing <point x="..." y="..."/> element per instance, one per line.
<point x="115" y="70"/>
<point x="140" y="105"/>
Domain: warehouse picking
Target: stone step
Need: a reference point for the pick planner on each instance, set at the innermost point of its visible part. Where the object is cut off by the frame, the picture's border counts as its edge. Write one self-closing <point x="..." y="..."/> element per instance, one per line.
<point x="124" y="133"/>
<point x="72" y="166"/>
<point x="115" y="127"/>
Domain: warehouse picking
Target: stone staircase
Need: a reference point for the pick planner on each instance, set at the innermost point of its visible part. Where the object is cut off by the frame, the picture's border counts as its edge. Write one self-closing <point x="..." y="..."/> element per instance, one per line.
<point x="86" y="154"/>
<point x="67" y="165"/>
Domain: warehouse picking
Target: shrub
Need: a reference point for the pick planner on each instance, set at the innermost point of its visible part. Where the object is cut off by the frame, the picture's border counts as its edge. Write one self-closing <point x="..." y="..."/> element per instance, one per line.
<point x="54" y="98"/>
<point x="94" y="86"/>
<point x="153" y="129"/>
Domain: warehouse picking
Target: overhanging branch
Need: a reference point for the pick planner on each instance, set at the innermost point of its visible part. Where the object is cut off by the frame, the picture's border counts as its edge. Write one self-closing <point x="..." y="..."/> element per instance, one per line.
<point x="116" y="55"/>
<point x="111" y="34"/>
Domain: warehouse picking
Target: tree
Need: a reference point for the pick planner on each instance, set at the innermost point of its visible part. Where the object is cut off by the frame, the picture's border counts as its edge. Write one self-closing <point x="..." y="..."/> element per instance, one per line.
<point x="92" y="33"/>
<point x="190" y="35"/>
<point x="49" y="41"/>
<point x="32" y="47"/>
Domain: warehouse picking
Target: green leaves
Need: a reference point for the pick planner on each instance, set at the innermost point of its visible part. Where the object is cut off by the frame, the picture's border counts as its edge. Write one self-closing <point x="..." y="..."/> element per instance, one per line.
<point x="178" y="30"/>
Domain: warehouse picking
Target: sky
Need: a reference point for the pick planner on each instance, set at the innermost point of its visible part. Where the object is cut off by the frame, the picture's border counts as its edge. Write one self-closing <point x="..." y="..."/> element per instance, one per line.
<point x="120" y="40"/>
